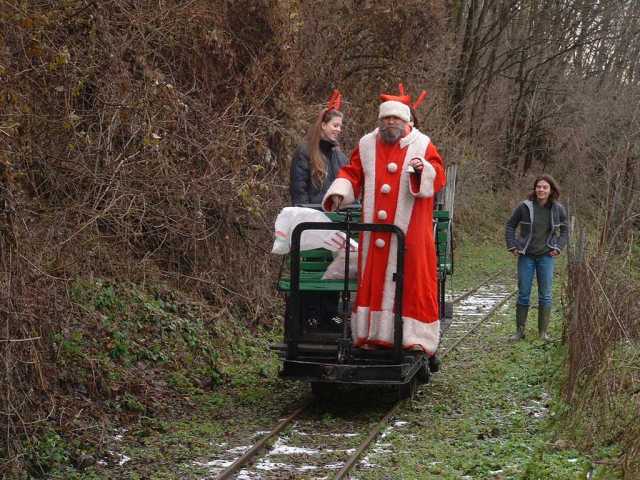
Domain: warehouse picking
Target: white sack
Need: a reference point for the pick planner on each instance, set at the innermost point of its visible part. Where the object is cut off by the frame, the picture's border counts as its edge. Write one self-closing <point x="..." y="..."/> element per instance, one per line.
<point x="335" y="270"/>
<point x="290" y="217"/>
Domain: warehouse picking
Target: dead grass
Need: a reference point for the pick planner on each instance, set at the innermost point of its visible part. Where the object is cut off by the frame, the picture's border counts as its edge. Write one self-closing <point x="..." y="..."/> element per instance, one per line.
<point x="603" y="337"/>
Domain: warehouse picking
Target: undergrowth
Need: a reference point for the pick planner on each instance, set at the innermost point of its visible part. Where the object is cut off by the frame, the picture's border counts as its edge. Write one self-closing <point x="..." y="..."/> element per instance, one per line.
<point x="139" y="356"/>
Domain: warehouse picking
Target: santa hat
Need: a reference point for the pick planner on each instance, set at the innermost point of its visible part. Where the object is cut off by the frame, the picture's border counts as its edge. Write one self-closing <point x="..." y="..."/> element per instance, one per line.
<point x="399" y="105"/>
<point x="393" y="108"/>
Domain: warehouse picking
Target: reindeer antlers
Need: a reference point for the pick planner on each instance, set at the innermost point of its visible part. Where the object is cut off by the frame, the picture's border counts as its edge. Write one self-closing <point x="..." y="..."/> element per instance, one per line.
<point x="404" y="98"/>
<point x="335" y="100"/>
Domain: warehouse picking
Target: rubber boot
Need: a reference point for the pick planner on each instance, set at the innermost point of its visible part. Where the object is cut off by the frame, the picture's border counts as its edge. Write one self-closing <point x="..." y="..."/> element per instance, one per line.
<point x="521" y="320"/>
<point x="544" y="315"/>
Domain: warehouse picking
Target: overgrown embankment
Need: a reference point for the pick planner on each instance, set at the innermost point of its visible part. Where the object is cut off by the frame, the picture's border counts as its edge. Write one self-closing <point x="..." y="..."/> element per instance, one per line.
<point x="141" y="144"/>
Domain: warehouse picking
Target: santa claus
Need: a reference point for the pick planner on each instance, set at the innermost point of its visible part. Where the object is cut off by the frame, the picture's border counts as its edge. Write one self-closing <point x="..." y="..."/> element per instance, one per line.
<point x="395" y="171"/>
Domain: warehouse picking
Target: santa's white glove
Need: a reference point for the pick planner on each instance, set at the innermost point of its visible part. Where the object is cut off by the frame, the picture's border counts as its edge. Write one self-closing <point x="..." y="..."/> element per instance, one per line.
<point x="336" y="201"/>
<point x="416" y="164"/>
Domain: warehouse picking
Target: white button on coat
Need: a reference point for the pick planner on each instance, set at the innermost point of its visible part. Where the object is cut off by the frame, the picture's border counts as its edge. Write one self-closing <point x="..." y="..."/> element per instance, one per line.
<point x="386" y="188"/>
<point x="392" y="167"/>
<point x="380" y="243"/>
<point x="382" y="214"/>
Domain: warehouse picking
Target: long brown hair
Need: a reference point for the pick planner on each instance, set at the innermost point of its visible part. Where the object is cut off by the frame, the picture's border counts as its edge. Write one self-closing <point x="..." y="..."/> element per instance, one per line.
<point x="555" y="189"/>
<point x="317" y="163"/>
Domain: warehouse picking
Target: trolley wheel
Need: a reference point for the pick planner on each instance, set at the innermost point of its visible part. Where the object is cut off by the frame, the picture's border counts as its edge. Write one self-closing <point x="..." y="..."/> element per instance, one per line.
<point x="434" y="364"/>
<point x="408" y="390"/>
<point x="424" y="375"/>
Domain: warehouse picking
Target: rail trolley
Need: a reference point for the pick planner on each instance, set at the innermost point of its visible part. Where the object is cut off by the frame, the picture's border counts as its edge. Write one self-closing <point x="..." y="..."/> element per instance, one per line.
<point x="317" y="345"/>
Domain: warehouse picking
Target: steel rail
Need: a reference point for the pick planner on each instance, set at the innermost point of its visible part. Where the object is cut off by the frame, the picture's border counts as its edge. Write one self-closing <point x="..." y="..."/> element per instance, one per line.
<point x="459" y="298"/>
<point x="244" y="459"/>
<point x="488" y="315"/>
<point x="373" y="433"/>
<point x="448" y="323"/>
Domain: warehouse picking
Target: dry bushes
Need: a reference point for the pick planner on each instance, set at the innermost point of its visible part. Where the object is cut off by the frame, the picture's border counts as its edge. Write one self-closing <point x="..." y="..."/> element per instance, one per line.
<point x="367" y="48"/>
<point x="142" y="141"/>
<point x="603" y="337"/>
<point x="599" y="154"/>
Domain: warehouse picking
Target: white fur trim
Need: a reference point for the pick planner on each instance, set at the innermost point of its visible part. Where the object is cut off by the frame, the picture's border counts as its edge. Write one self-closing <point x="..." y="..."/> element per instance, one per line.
<point x="360" y="323"/>
<point x="378" y="326"/>
<point x="367" y="147"/>
<point x="427" y="177"/>
<point x="340" y="186"/>
<point x="414" y="136"/>
<point x="393" y="108"/>
<point x="366" y="324"/>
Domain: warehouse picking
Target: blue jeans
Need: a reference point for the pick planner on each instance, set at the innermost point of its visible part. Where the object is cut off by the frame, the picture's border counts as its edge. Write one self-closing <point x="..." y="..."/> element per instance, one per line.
<point x="543" y="267"/>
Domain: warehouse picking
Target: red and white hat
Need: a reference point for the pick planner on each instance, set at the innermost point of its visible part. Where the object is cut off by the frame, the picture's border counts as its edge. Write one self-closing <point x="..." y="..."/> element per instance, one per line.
<point x="399" y="105"/>
<point x="394" y="108"/>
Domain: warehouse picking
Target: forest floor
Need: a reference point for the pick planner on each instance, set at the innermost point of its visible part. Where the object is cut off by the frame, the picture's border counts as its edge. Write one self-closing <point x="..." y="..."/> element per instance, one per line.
<point x="493" y="411"/>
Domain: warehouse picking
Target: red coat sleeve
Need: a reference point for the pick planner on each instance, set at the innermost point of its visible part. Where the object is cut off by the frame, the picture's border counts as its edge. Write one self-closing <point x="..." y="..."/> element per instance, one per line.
<point x="348" y="183"/>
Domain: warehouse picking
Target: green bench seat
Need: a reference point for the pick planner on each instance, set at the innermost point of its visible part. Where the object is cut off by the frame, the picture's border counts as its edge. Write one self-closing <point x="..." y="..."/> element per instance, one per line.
<point x="314" y="283"/>
<point x="313" y="264"/>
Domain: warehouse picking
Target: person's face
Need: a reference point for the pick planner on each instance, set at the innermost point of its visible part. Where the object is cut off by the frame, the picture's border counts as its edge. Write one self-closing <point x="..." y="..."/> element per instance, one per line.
<point x="331" y="130"/>
<point x="392" y="129"/>
<point x="543" y="189"/>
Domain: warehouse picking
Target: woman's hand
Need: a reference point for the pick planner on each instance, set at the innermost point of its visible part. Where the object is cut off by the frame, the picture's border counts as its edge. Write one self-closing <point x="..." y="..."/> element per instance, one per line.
<point x="554" y="253"/>
<point x="515" y="252"/>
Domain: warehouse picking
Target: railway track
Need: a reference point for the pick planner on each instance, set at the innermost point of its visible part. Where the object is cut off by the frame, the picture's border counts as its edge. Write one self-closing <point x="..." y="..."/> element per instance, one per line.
<point x="304" y="446"/>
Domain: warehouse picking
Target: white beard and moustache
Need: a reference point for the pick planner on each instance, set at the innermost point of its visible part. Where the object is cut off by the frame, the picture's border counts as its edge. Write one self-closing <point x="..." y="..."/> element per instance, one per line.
<point x="390" y="134"/>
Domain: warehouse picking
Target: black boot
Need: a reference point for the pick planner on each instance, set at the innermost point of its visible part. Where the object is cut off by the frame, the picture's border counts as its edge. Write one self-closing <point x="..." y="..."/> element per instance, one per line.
<point x="544" y="316"/>
<point x="521" y="321"/>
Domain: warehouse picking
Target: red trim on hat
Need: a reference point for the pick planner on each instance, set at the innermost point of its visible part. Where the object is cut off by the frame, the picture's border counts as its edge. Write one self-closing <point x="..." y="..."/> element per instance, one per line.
<point x="406" y="99"/>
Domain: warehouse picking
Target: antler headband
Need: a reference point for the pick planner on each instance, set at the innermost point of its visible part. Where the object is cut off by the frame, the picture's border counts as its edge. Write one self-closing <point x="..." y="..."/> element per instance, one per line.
<point x="404" y="98"/>
<point x="335" y="100"/>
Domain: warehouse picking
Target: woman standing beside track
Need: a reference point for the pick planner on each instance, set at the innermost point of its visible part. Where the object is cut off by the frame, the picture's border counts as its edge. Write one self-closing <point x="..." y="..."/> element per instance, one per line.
<point x="543" y="233"/>
<point x="316" y="161"/>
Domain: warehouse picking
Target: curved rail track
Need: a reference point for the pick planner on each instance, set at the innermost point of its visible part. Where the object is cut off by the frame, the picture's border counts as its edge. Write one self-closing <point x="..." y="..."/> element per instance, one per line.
<point x="310" y="452"/>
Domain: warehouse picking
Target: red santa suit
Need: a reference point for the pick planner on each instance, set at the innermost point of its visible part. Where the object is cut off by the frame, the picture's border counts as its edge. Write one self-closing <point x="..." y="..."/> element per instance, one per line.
<point x="392" y="195"/>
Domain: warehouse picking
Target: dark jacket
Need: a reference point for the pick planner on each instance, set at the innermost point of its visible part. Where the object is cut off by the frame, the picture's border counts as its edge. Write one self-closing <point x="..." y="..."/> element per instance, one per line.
<point x="302" y="189"/>
<point x="523" y="216"/>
